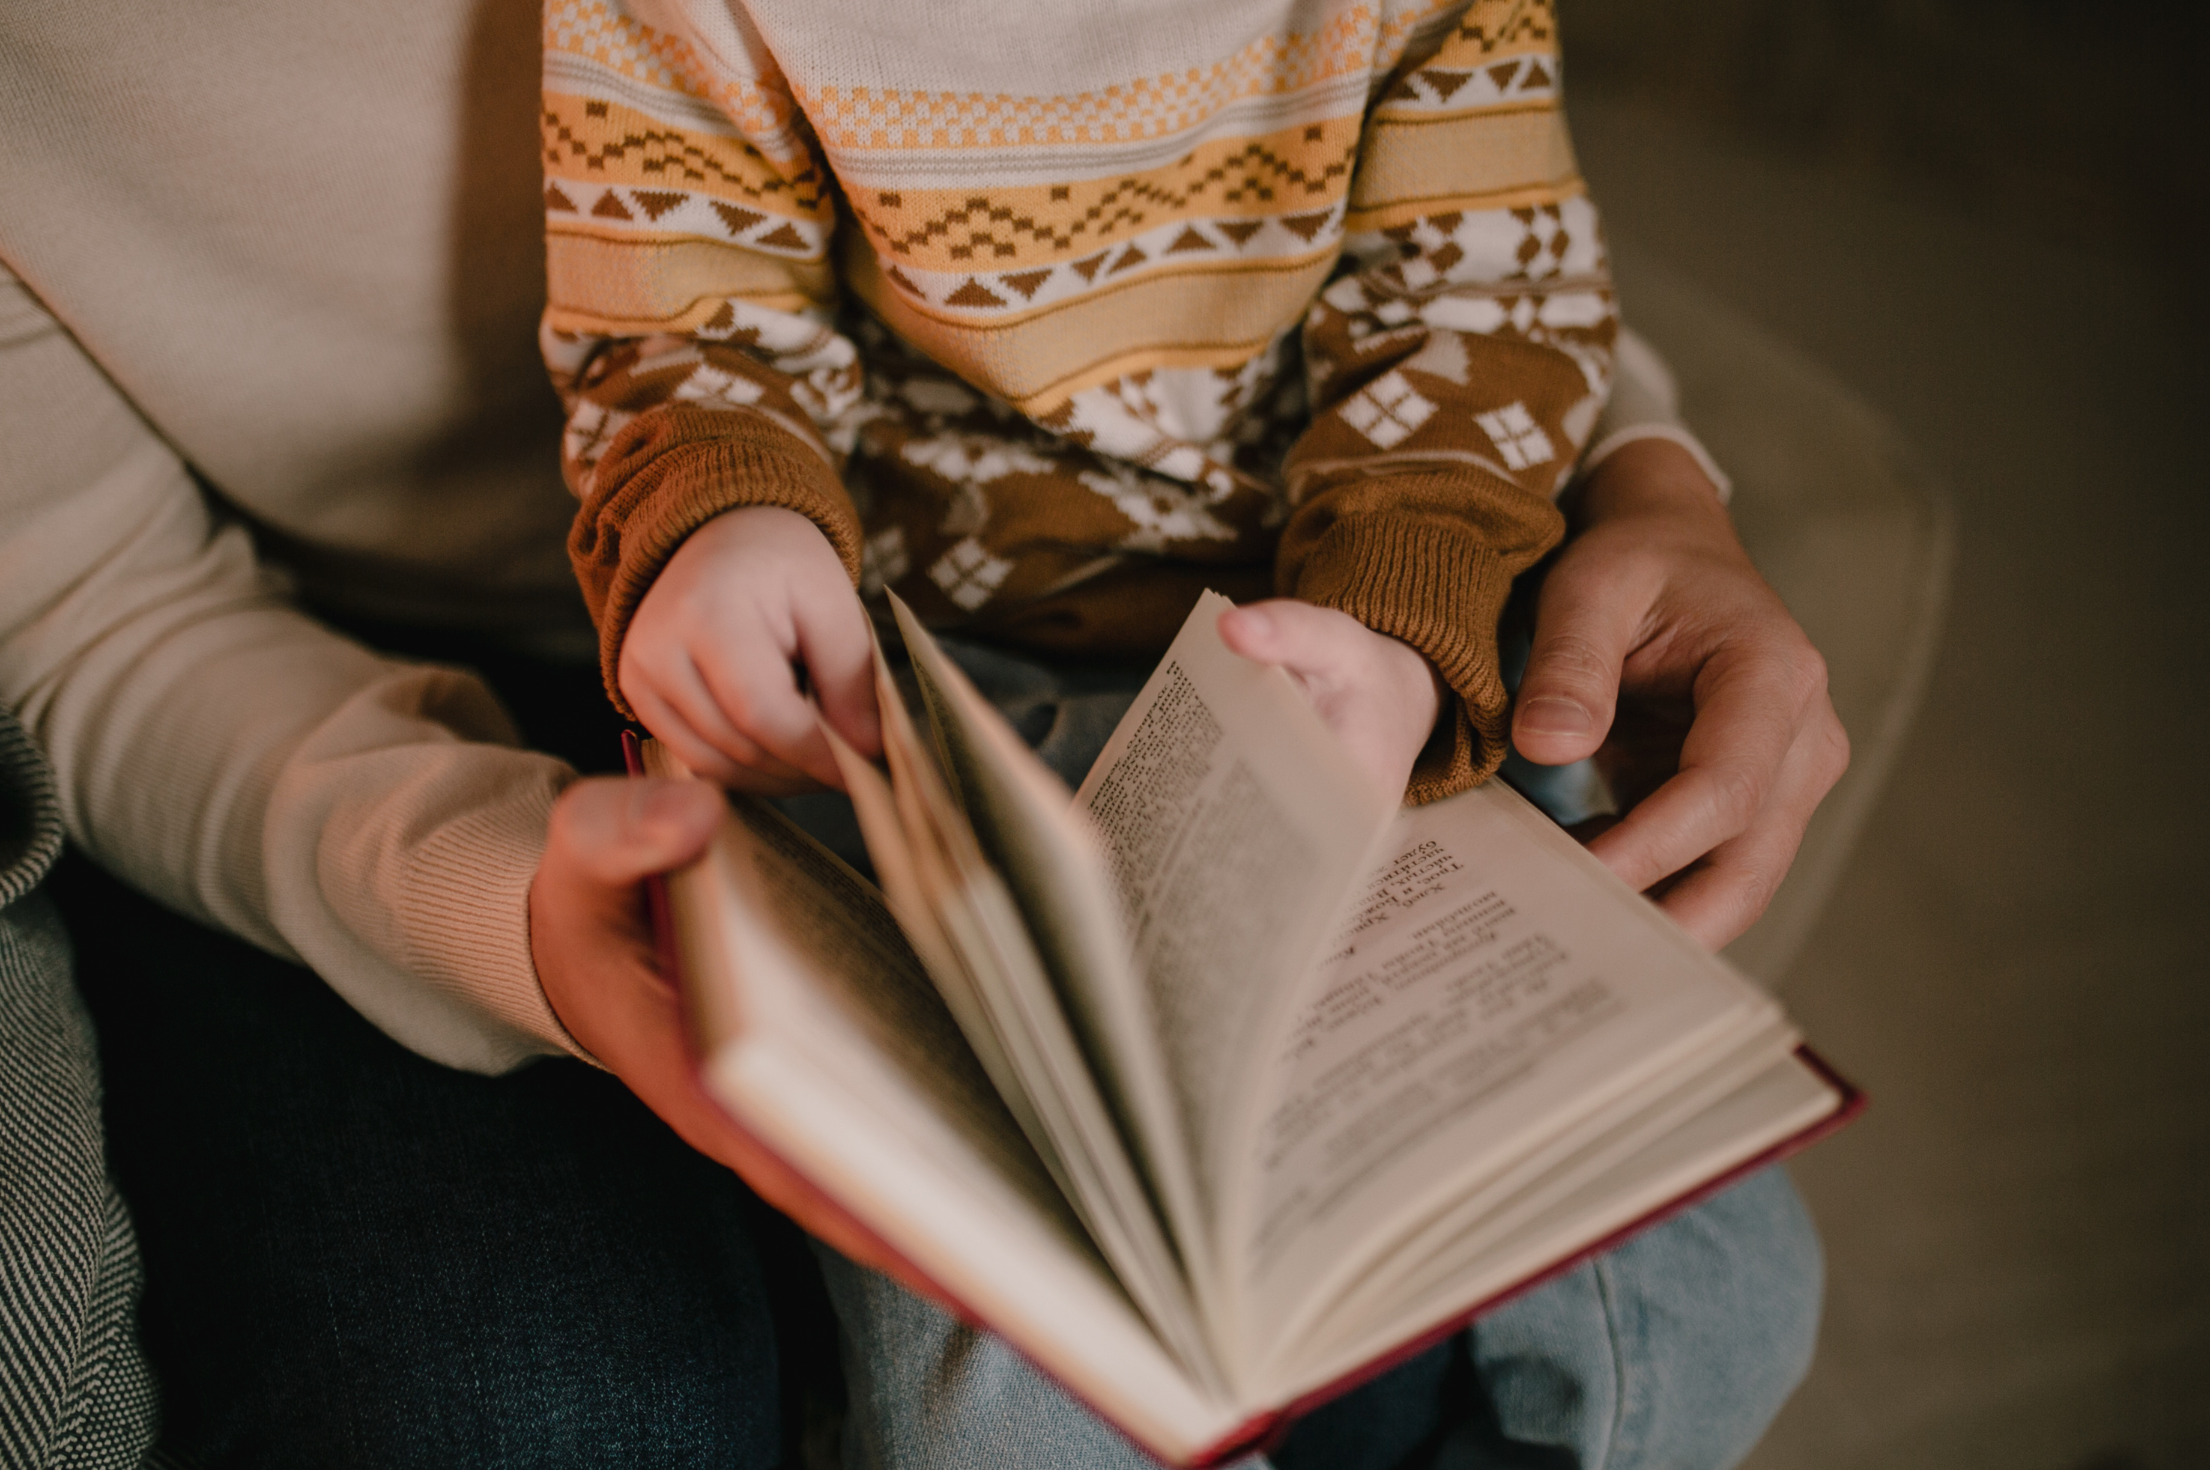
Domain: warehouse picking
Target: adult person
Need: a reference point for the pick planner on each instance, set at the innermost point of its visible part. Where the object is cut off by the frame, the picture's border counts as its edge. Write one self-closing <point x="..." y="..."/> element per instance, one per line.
<point x="264" y="348"/>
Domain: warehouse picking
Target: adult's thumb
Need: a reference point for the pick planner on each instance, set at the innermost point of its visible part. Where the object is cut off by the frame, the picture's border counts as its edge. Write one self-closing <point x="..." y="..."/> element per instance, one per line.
<point x="612" y="831"/>
<point x="1566" y="701"/>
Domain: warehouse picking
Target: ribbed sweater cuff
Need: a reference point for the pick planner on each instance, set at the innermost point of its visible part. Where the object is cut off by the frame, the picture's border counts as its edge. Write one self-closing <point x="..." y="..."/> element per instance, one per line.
<point x="676" y="480"/>
<point x="1435" y="584"/>
<point x="469" y="929"/>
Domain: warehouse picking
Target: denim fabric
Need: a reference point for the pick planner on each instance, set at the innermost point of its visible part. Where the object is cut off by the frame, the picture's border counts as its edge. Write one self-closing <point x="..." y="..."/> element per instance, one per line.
<point x="1672" y="1352"/>
<point x="355" y="1257"/>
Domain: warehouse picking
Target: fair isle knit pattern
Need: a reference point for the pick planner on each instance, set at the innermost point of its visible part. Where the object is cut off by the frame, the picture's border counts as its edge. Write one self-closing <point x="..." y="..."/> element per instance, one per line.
<point x="75" y="1391"/>
<point x="1049" y="323"/>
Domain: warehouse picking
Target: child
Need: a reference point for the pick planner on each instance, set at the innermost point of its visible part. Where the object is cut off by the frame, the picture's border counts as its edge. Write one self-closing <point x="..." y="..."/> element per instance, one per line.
<point x="1255" y="297"/>
<point x="1048" y="317"/>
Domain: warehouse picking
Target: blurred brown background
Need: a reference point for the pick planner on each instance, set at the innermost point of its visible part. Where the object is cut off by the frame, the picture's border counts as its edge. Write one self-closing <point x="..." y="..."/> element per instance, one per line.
<point x="1987" y="220"/>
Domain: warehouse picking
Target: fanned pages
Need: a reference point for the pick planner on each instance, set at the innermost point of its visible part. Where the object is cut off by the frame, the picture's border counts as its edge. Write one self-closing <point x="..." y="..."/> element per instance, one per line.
<point x="1218" y="1081"/>
<point x="1009" y="1009"/>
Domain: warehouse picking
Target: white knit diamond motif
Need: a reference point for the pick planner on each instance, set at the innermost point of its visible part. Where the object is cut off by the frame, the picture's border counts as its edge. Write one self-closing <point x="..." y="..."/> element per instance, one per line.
<point x="1387" y="410"/>
<point x="968" y="573"/>
<point x="1517" y="436"/>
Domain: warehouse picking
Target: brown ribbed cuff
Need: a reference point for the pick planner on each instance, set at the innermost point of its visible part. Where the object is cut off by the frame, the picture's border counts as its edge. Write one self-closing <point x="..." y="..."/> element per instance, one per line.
<point x="670" y="473"/>
<point x="1437" y="585"/>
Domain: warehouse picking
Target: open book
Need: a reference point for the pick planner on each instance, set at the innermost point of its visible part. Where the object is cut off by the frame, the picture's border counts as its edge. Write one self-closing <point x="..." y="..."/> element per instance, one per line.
<point x="1225" y="1082"/>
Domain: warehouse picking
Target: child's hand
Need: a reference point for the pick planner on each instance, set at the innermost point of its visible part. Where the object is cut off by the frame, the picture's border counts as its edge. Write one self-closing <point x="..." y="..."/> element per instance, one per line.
<point x="1379" y="696"/>
<point x="711" y="660"/>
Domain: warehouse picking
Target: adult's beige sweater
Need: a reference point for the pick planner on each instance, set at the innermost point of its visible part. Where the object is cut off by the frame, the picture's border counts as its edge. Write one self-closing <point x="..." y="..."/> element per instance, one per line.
<point x="290" y="255"/>
<point x="271" y="282"/>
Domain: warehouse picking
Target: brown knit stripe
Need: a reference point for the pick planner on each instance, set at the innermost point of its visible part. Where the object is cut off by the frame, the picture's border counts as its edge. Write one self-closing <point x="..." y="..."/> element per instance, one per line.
<point x="1438" y="585"/>
<point x="667" y="475"/>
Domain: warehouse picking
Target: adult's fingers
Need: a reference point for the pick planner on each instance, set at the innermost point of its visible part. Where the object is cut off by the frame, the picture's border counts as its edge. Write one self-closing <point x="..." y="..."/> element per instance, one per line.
<point x="1584" y="629"/>
<point x="609" y="833"/>
<point x="1719" y="898"/>
<point x="1751" y="700"/>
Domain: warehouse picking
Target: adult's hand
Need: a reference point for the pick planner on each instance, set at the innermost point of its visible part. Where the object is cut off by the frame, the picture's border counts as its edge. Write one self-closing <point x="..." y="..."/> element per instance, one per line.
<point x="591" y="936"/>
<point x="1659" y="650"/>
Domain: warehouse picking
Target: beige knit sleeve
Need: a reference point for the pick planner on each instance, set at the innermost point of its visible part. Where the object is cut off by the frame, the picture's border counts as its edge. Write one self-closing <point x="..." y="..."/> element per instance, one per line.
<point x="239" y="762"/>
<point x="1456" y="369"/>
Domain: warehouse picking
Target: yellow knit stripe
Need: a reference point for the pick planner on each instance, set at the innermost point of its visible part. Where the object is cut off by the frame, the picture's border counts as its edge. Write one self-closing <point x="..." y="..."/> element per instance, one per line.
<point x="650" y="226"/>
<point x="1533" y="196"/>
<point x="1500" y="53"/>
<point x="1235" y="183"/>
<point x="1187" y="316"/>
<point x="1492" y="29"/>
<point x="1443" y="89"/>
<point x="619" y="288"/>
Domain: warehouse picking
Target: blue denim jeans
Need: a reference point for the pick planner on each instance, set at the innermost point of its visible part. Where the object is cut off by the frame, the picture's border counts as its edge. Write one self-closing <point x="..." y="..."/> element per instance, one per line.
<point x="1672" y="1352"/>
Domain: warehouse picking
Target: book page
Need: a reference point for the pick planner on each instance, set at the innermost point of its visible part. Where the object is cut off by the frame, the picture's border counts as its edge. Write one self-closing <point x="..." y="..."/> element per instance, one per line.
<point x="1235" y="829"/>
<point x="823" y="1038"/>
<point x="976" y="943"/>
<point x="1597" y="1147"/>
<point x="908" y="894"/>
<point x="777" y="934"/>
<point x="1494" y="990"/>
<point x="1025" y="819"/>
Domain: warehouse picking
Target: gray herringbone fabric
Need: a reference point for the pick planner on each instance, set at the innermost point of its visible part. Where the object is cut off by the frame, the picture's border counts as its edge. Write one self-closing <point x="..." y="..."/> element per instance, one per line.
<point x="74" y="1387"/>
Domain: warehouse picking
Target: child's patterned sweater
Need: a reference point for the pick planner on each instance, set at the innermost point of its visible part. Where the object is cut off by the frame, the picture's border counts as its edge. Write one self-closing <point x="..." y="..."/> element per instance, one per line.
<point x="1050" y="314"/>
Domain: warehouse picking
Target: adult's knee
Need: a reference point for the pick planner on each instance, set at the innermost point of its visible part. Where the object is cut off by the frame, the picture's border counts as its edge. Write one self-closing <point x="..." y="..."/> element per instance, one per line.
<point x="927" y="1392"/>
<point x="1673" y="1352"/>
<point x="1716" y="1315"/>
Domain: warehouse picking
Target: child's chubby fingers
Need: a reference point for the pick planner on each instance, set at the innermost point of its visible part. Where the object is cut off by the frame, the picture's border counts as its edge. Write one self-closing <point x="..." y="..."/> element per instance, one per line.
<point x="749" y="599"/>
<point x="671" y="694"/>
<point x="1317" y="645"/>
<point x="838" y="649"/>
<point x="1378" y="695"/>
<point x="729" y="758"/>
<point x="756" y="688"/>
